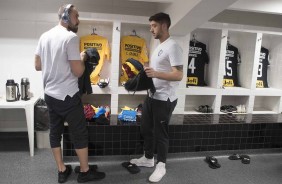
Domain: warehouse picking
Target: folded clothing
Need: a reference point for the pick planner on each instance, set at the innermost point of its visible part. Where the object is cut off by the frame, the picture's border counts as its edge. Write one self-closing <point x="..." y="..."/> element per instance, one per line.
<point x="127" y="115"/>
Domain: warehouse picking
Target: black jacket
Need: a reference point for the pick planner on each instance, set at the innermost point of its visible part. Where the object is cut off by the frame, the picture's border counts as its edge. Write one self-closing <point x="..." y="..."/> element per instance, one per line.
<point x="91" y="62"/>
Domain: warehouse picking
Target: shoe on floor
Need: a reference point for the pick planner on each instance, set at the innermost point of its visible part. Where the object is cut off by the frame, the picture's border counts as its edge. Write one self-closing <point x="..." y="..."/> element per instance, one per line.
<point x="212" y="161"/>
<point x="235" y="156"/>
<point x="245" y="159"/>
<point x="159" y="172"/>
<point x="143" y="162"/>
<point x="92" y="167"/>
<point x="63" y="176"/>
<point x="90" y="175"/>
<point x="132" y="168"/>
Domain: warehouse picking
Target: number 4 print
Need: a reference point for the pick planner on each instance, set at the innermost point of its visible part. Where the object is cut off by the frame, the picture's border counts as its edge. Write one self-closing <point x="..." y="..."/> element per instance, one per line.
<point x="192" y="66"/>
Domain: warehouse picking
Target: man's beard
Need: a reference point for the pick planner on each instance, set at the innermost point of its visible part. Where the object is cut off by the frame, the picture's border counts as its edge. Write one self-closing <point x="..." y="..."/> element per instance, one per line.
<point x="157" y="36"/>
<point x="73" y="28"/>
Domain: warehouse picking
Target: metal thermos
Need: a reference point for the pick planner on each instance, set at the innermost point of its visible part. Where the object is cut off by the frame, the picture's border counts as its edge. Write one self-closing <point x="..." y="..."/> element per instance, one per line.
<point x="12" y="91"/>
<point x="25" y="87"/>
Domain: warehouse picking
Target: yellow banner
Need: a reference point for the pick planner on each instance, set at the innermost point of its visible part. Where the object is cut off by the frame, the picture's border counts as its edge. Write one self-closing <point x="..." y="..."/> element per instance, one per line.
<point x="259" y="84"/>
<point x="192" y="80"/>
<point x="228" y="83"/>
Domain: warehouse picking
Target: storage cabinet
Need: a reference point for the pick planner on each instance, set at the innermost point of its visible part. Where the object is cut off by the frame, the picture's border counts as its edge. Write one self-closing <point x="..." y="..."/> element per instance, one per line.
<point x="235" y="100"/>
<point x="213" y="40"/>
<point x="97" y="99"/>
<point x="274" y="44"/>
<point x="104" y="29"/>
<point x="266" y="104"/>
<point x="114" y="94"/>
<point x="248" y="42"/>
<point x="130" y="100"/>
<point x="192" y="102"/>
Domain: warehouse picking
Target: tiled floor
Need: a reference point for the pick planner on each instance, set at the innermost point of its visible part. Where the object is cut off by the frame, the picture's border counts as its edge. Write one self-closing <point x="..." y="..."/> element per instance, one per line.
<point x="212" y="132"/>
<point x="265" y="168"/>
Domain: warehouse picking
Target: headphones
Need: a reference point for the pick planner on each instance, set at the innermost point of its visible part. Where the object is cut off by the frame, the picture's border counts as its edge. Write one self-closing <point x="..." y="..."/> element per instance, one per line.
<point x="66" y="14"/>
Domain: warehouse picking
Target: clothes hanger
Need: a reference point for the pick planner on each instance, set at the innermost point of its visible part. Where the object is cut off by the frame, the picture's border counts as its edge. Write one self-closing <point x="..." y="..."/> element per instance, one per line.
<point x="134" y="33"/>
<point x="194" y="40"/>
<point x="228" y="41"/>
<point x="93" y="31"/>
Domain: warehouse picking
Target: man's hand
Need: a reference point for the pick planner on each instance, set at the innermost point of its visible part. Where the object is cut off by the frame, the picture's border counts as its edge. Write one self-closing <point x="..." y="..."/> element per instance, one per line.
<point x="83" y="56"/>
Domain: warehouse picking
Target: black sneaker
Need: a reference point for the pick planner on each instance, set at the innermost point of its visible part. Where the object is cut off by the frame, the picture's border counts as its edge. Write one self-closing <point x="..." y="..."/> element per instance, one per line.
<point x="90" y="175"/>
<point x="91" y="167"/>
<point x="231" y="108"/>
<point x="63" y="176"/>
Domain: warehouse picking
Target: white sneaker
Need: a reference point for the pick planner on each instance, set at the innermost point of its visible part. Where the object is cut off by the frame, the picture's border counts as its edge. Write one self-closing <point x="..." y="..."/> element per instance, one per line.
<point x="243" y="109"/>
<point x="158" y="173"/>
<point x="239" y="109"/>
<point x="143" y="162"/>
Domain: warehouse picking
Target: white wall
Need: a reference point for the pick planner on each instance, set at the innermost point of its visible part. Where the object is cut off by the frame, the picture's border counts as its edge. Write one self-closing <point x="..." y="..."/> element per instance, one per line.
<point x="22" y="22"/>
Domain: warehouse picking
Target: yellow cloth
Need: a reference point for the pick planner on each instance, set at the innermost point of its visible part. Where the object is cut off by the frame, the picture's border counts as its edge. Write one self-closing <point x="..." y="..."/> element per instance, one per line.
<point x="127" y="108"/>
<point x="132" y="68"/>
<point x="102" y="45"/>
<point x="95" y="108"/>
<point x="123" y="77"/>
<point x="133" y="47"/>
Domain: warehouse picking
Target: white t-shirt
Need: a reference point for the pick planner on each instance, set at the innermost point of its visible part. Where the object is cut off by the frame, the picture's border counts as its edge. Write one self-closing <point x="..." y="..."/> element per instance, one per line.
<point x="166" y="55"/>
<point x="56" y="48"/>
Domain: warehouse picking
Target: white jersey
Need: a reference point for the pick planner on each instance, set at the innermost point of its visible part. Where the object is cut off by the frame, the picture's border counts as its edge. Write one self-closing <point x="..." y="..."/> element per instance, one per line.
<point x="56" y="48"/>
<point x="166" y="55"/>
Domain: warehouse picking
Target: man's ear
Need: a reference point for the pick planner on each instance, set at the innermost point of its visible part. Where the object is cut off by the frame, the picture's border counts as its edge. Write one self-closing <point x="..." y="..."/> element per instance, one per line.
<point x="164" y="26"/>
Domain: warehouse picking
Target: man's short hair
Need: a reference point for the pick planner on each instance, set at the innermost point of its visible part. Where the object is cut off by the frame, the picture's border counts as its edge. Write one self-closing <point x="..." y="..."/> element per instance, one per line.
<point x="161" y="18"/>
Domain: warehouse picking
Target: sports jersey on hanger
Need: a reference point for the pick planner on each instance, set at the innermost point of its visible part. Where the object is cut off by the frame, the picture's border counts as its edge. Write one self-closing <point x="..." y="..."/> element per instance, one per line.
<point x="102" y="45"/>
<point x="133" y="47"/>
<point x="232" y="59"/>
<point x="262" y="68"/>
<point x="198" y="57"/>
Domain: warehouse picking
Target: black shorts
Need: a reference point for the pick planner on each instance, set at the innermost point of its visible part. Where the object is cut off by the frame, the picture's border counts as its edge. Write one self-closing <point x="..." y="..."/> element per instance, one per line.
<point x="71" y="111"/>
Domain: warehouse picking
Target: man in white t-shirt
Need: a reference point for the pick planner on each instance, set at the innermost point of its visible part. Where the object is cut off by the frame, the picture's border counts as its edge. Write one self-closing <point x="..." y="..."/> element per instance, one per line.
<point x="57" y="56"/>
<point x="166" y="69"/>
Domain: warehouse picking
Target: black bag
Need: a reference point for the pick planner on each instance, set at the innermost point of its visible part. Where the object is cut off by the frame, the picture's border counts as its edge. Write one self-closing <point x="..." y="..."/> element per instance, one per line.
<point x="135" y="63"/>
<point x="140" y="83"/>
<point x="41" y="116"/>
<point x="92" y="57"/>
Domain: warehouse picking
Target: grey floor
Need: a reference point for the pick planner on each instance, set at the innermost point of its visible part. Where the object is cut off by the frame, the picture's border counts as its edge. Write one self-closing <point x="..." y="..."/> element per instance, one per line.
<point x="189" y="168"/>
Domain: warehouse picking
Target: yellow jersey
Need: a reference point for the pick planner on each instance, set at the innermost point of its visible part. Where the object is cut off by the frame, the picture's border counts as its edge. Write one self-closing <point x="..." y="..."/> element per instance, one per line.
<point x="102" y="45"/>
<point x="133" y="47"/>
